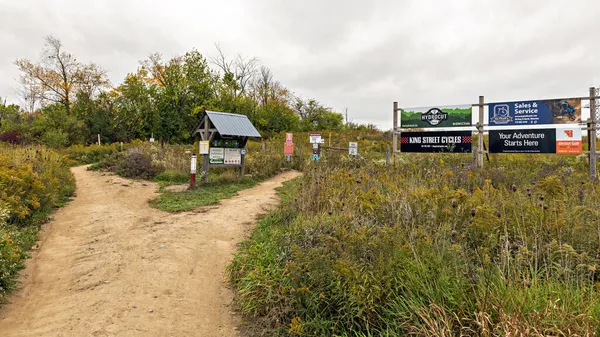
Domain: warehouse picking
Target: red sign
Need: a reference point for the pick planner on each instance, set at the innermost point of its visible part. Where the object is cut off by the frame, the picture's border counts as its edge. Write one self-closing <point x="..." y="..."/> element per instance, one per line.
<point x="288" y="137"/>
<point x="288" y="148"/>
<point x="568" y="141"/>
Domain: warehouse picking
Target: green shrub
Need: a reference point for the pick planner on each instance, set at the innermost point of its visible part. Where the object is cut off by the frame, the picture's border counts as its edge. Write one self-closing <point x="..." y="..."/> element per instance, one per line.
<point x="91" y="154"/>
<point x="138" y="165"/>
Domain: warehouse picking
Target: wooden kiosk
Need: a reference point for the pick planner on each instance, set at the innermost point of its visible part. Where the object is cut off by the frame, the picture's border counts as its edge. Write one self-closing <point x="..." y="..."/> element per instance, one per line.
<point x="223" y="138"/>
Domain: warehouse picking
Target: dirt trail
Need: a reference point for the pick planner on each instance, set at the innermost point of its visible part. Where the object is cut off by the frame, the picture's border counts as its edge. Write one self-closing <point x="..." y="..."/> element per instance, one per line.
<point x="109" y="265"/>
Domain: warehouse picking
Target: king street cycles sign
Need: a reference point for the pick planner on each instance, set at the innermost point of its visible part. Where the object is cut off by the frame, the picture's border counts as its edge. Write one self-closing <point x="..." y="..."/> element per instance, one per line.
<point x="445" y="141"/>
<point x="437" y="117"/>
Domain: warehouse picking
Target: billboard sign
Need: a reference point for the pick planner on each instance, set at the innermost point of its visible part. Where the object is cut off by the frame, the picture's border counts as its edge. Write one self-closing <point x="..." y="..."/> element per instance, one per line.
<point x="560" y="141"/>
<point x="523" y="141"/>
<point x="556" y="111"/>
<point x="449" y="141"/>
<point x="436" y="117"/>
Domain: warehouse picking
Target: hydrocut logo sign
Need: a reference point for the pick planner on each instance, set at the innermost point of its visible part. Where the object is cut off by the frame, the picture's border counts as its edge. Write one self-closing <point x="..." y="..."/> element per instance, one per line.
<point x="434" y="116"/>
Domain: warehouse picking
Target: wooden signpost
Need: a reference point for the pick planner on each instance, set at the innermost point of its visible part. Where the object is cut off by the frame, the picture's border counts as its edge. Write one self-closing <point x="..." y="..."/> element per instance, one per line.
<point x="223" y="140"/>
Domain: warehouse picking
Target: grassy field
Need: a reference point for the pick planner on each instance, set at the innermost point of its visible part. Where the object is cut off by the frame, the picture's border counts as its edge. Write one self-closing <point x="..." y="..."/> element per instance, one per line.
<point x="428" y="247"/>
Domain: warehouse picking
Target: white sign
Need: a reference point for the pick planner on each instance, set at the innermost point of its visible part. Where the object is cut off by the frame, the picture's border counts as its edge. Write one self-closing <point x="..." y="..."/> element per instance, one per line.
<point x="151" y="140"/>
<point x="315" y="138"/>
<point x="193" y="165"/>
<point x="353" y="149"/>
<point x="315" y="146"/>
<point x="233" y="156"/>
<point x="216" y="156"/>
<point x="204" y="146"/>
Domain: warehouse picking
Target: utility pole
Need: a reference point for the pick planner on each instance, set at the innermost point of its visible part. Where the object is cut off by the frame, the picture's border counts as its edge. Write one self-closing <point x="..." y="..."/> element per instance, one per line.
<point x="346" y="116"/>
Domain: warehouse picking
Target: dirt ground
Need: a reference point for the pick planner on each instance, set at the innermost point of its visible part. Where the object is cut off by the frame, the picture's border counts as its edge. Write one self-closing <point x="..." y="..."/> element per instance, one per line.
<point x="109" y="265"/>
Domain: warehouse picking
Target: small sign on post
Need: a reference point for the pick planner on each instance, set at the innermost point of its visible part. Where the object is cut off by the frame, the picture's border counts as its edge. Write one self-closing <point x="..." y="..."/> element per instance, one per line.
<point x="353" y="149"/>
<point x="204" y="146"/>
<point x="315" y="138"/>
<point x="288" y="148"/>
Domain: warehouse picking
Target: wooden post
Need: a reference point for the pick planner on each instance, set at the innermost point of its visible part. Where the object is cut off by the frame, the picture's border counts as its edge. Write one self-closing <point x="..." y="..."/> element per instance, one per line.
<point x="387" y="154"/>
<point x="592" y="134"/>
<point x="480" y="129"/>
<point x="99" y="140"/>
<point x="243" y="167"/>
<point x="205" y="162"/>
<point x="395" y="136"/>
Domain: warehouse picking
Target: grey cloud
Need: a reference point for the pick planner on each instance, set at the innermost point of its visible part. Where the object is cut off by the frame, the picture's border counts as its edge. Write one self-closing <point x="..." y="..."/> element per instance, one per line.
<point x="358" y="54"/>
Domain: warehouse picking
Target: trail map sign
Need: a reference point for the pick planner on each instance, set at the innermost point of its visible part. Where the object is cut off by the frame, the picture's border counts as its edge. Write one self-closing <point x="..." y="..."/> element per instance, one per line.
<point x="216" y="155"/>
<point x="561" y="141"/>
<point x="556" y="111"/>
<point x="450" y="141"/>
<point x="436" y="117"/>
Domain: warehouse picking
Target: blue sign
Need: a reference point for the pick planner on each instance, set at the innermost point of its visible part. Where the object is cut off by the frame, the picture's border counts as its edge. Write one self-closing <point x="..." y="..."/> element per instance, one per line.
<point x="315" y="157"/>
<point x="559" y="111"/>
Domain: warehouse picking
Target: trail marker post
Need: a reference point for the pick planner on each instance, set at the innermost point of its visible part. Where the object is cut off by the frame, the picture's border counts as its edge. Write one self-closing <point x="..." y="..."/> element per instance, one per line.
<point x="480" y="146"/>
<point x="193" y="172"/>
<point x="592" y="134"/>
<point x="394" y="135"/>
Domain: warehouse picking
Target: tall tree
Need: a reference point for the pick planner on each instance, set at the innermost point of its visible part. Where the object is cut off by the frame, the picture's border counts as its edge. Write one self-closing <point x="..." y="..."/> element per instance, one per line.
<point x="58" y="77"/>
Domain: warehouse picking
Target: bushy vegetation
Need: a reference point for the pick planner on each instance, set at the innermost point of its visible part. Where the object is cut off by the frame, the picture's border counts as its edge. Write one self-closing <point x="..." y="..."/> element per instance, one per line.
<point x="68" y="102"/>
<point x="428" y="247"/>
<point x="33" y="181"/>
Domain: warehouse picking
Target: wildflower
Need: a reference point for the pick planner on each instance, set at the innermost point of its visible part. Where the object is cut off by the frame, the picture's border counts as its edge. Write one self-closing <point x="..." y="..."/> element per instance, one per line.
<point x="542" y="197"/>
<point x="514" y="187"/>
<point x="453" y="203"/>
<point x="473" y="212"/>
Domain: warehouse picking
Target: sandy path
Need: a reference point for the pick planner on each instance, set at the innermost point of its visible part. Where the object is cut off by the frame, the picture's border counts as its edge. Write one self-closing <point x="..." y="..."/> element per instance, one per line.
<point x="109" y="265"/>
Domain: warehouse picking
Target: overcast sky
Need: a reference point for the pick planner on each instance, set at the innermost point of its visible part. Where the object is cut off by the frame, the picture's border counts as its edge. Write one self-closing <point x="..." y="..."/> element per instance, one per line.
<point x="358" y="54"/>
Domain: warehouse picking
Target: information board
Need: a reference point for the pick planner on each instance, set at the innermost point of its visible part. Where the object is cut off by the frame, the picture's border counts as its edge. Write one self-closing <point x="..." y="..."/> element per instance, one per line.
<point x="232" y="157"/>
